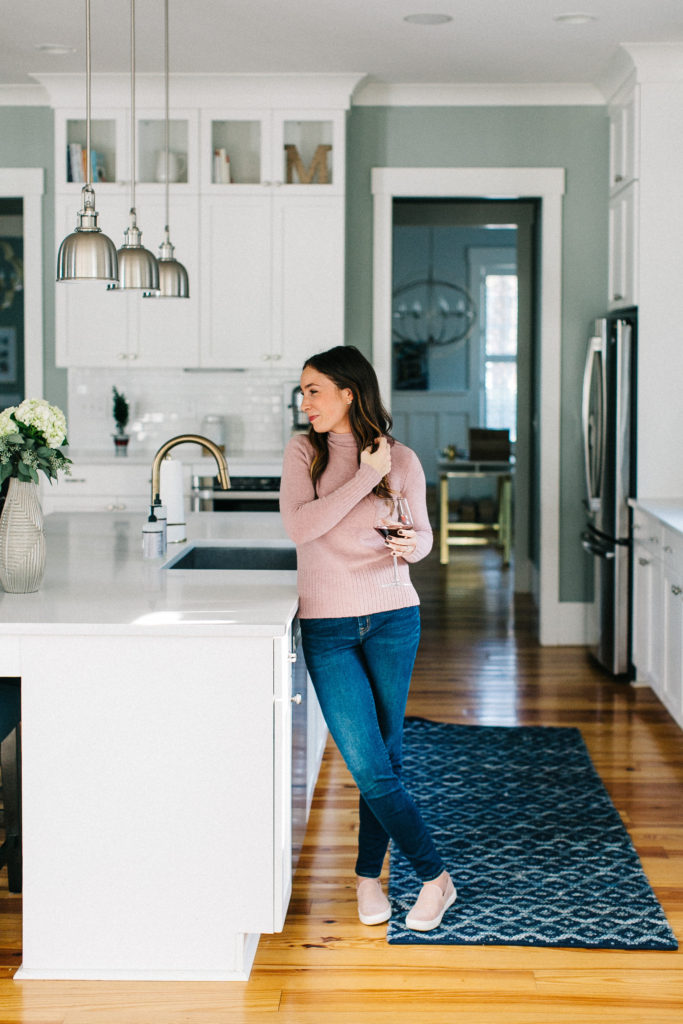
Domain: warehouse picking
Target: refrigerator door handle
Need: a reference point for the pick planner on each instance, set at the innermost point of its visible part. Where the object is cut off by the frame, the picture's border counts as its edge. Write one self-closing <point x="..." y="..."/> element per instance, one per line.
<point x="593" y="433"/>
<point x="593" y="547"/>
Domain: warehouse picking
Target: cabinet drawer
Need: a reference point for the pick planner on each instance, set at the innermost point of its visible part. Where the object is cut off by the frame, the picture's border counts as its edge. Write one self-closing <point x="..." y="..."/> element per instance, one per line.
<point x="648" y="532"/>
<point x="672" y="550"/>
<point x="103" y="480"/>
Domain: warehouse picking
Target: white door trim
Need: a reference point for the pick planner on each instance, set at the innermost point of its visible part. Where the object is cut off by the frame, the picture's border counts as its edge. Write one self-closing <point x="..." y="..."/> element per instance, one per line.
<point x="546" y="184"/>
<point x="28" y="184"/>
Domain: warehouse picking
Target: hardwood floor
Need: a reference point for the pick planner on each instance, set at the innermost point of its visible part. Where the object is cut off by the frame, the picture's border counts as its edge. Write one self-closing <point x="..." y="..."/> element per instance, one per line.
<point x="478" y="663"/>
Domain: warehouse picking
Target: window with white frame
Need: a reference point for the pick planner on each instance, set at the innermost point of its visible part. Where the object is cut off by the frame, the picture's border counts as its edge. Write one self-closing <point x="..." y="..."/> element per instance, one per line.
<point x="494" y="277"/>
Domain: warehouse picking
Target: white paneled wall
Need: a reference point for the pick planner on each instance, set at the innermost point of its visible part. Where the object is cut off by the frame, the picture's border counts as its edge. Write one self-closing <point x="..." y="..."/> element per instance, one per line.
<point x="168" y="402"/>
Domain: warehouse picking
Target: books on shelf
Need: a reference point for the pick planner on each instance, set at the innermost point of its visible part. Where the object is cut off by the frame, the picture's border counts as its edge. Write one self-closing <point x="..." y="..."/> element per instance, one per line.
<point x="221" y="167"/>
<point x="76" y="164"/>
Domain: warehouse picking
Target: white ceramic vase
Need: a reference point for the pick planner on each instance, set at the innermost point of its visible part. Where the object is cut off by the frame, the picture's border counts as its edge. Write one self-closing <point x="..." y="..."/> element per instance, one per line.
<point x="22" y="540"/>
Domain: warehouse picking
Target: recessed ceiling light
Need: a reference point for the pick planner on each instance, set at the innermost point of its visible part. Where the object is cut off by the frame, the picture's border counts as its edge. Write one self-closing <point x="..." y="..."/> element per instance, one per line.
<point x="575" y="18"/>
<point x="428" y="19"/>
<point x="54" y="49"/>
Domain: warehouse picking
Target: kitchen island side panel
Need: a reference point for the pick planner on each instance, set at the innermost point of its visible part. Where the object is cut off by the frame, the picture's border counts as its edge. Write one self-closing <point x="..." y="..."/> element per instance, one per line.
<point x="148" y="802"/>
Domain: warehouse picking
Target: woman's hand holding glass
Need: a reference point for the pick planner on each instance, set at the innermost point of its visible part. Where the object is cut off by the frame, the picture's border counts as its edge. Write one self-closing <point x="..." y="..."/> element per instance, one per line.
<point x="399" y="536"/>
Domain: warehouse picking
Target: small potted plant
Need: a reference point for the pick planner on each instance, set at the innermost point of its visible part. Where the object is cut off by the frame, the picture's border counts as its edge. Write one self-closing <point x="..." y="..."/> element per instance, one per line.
<point x="120" y="412"/>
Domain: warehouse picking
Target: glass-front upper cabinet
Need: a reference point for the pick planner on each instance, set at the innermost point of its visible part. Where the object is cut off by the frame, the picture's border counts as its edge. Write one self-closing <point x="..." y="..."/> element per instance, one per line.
<point x="296" y="150"/>
<point x="108" y="150"/>
<point x="151" y="151"/>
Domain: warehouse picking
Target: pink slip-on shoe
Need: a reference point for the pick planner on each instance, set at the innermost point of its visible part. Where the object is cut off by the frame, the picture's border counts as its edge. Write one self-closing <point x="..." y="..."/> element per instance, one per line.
<point x="430" y="906"/>
<point x="373" y="906"/>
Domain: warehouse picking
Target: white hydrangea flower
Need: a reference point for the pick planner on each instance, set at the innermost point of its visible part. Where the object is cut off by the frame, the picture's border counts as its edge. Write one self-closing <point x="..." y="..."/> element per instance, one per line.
<point x="48" y="419"/>
<point x="7" y="425"/>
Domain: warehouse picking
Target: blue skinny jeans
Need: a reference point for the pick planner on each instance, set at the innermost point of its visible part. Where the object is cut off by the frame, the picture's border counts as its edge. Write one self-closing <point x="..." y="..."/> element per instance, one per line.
<point x="360" y="668"/>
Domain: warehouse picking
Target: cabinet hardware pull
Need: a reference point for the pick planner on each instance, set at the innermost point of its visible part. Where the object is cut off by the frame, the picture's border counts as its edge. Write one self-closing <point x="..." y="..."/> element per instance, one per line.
<point x="122" y="355"/>
<point x="291" y="657"/>
<point x="676" y="590"/>
<point x="617" y="298"/>
<point x="266" y="357"/>
<point x="618" y="178"/>
<point x="643" y="561"/>
<point x="75" y="480"/>
<point x="296" y="698"/>
<point x="668" y="548"/>
<point x="133" y="355"/>
<point x="654" y="540"/>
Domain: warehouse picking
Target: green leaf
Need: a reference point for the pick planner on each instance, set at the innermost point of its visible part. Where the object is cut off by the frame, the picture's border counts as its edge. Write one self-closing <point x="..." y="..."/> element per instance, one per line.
<point x="5" y="471"/>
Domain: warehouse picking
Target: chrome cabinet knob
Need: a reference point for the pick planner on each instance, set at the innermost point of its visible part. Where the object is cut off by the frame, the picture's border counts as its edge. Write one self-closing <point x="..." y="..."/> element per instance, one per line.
<point x="296" y="698"/>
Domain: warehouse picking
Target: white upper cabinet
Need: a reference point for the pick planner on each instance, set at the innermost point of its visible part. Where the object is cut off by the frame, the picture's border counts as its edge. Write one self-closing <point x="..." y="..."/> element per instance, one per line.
<point x="624" y="211"/>
<point x="298" y="150"/>
<point x="256" y="175"/>
<point x="624" y="116"/>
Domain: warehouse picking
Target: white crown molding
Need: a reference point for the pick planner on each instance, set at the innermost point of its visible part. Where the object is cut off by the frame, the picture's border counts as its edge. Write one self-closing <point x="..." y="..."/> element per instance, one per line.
<point x="435" y="94"/>
<point x="23" y="96"/>
<point x="645" y="62"/>
<point x="188" y="90"/>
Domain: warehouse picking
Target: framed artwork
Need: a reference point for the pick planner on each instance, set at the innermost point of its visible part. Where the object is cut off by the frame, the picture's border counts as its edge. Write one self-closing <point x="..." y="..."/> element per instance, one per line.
<point x="8" y="355"/>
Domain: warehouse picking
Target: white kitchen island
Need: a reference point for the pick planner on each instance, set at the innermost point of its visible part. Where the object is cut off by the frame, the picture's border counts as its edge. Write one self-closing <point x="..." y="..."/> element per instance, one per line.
<point x="156" y="751"/>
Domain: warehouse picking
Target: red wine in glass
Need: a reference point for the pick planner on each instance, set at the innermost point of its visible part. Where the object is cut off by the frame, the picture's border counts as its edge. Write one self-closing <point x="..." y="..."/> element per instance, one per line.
<point x="399" y="519"/>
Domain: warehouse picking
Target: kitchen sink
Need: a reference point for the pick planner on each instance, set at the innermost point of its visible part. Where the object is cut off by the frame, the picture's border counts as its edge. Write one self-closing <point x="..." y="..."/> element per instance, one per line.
<point x="233" y="556"/>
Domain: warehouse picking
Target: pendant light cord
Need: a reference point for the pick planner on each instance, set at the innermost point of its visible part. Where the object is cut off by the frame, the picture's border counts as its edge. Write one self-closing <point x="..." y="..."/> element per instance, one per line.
<point x="166" y="141"/>
<point x="88" y="169"/>
<point x="132" y="104"/>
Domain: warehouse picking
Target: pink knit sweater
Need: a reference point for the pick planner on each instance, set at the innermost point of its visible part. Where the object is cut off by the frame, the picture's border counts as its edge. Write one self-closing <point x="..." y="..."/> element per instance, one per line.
<point x="342" y="560"/>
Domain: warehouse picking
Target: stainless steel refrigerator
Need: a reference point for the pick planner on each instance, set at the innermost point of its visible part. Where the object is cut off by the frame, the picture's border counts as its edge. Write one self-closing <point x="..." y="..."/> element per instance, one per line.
<point x="609" y="439"/>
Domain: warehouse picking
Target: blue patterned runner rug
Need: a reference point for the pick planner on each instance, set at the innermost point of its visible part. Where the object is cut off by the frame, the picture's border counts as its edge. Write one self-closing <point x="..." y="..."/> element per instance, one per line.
<point x="535" y="846"/>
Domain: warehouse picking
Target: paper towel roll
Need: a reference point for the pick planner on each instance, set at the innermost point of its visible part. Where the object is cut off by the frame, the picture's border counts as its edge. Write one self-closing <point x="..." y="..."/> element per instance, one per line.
<point x="171" y="492"/>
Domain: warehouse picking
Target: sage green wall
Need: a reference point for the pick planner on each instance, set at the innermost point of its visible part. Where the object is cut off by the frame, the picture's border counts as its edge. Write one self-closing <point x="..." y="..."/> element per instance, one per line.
<point x="27" y="140"/>
<point x="575" y="138"/>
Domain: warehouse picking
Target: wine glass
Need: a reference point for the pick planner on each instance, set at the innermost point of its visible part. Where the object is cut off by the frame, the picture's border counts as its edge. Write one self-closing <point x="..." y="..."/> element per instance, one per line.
<point x="399" y="519"/>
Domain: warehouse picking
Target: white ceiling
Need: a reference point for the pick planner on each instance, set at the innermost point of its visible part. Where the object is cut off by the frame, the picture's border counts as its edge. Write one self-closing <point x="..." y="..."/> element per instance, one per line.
<point x="488" y="41"/>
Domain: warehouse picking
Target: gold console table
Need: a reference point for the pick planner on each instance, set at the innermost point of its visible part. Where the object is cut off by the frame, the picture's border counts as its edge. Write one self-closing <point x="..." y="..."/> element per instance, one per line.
<point x="498" y="533"/>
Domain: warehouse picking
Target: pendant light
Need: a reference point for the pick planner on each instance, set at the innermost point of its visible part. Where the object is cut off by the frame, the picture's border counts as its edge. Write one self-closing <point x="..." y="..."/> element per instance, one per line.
<point x="173" y="279"/>
<point x="87" y="253"/>
<point x="138" y="267"/>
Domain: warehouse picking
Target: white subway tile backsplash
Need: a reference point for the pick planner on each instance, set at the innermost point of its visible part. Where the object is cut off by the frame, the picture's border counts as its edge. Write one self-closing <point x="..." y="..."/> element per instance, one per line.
<point x="168" y="402"/>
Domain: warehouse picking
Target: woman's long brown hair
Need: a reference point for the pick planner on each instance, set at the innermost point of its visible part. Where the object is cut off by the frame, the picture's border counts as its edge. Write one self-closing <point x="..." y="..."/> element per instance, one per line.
<point x="349" y="368"/>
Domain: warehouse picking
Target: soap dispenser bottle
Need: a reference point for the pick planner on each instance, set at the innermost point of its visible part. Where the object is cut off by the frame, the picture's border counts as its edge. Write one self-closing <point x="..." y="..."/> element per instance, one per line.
<point x="152" y="537"/>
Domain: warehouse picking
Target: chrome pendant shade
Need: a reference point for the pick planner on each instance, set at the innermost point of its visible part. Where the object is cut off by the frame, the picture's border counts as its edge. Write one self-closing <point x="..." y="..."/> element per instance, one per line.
<point x="173" y="280"/>
<point x="138" y="267"/>
<point x="87" y="253"/>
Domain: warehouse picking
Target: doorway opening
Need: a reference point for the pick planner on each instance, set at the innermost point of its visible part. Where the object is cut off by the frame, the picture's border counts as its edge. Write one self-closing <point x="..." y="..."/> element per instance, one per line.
<point x="11" y="302"/>
<point x="462" y="344"/>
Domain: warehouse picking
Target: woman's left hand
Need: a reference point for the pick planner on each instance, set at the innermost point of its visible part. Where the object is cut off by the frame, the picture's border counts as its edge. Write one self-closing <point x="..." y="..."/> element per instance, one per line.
<point x="405" y="544"/>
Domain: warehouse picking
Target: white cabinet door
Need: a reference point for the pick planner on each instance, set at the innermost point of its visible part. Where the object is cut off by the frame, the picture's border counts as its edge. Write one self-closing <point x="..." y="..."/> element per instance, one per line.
<point x="645" y="571"/>
<point x="236" y="281"/>
<point x="92" y="323"/>
<point x="308" y="274"/>
<point x="165" y="332"/>
<point x="273" y="274"/>
<point x="101" y="327"/>
<point x="673" y="641"/>
<point x="624" y="138"/>
<point x="623" y="248"/>
<point x="282" y="779"/>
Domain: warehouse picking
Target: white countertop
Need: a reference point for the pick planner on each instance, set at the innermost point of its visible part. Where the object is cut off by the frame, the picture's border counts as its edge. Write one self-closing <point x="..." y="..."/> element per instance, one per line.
<point x="96" y="581"/>
<point x="668" y="510"/>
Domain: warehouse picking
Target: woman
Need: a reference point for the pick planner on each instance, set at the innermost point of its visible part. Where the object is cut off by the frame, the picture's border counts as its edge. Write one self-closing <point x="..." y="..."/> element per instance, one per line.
<point x="360" y="633"/>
